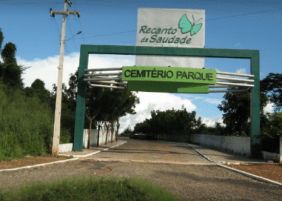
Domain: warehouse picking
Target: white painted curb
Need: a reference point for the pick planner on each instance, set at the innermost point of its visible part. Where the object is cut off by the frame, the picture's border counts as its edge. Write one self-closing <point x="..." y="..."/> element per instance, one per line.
<point x="31" y="166"/>
<point x="80" y="156"/>
<point x="239" y="171"/>
<point x="252" y="175"/>
<point x="62" y="161"/>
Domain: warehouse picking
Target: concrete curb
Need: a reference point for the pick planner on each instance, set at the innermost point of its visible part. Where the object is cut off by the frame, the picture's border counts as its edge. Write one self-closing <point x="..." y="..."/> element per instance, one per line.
<point x="80" y="156"/>
<point x="239" y="171"/>
<point x="76" y="157"/>
<point x="252" y="175"/>
<point x="31" y="166"/>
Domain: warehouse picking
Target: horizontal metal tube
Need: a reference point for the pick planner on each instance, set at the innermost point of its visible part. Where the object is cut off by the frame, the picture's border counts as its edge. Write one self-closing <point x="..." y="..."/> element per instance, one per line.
<point x="236" y="74"/>
<point x="103" y="69"/>
<point x="215" y="91"/>
<point x="219" y="86"/>
<point x="106" y="86"/>
<point x="102" y="74"/>
<point x="235" y="79"/>
<point x="235" y="84"/>
<point x="107" y="82"/>
<point x="103" y="79"/>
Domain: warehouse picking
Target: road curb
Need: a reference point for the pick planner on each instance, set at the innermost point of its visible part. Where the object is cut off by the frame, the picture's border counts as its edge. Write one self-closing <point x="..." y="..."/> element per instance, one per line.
<point x="76" y="157"/>
<point x="239" y="171"/>
<point x="80" y="156"/>
<point x="251" y="175"/>
<point x="38" y="165"/>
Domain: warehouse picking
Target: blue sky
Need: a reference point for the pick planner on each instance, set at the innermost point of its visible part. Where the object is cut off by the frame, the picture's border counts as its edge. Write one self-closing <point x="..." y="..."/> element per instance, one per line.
<point x="247" y="24"/>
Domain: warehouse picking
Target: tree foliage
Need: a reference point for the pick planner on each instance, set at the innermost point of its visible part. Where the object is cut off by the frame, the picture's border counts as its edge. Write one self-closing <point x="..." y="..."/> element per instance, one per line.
<point x="237" y="111"/>
<point x="273" y="84"/>
<point x="168" y="122"/>
<point x="10" y="72"/>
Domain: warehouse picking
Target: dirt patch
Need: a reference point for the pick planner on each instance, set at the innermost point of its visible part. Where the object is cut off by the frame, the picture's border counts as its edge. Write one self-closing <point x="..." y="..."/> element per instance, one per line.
<point x="272" y="172"/>
<point x="29" y="161"/>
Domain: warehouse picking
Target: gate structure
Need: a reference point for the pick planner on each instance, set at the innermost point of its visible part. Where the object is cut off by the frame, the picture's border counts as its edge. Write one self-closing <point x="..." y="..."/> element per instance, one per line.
<point x="85" y="76"/>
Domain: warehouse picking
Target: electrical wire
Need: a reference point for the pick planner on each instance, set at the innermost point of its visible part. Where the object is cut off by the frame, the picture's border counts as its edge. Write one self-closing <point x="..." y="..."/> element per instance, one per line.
<point x="82" y="31"/>
<point x="171" y="25"/>
<point x="29" y="3"/>
<point x="72" y="35"/>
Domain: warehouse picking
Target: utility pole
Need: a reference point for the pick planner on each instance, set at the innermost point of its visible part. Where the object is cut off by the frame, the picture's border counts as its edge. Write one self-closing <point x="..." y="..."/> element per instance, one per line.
<point x="57" y="123"/>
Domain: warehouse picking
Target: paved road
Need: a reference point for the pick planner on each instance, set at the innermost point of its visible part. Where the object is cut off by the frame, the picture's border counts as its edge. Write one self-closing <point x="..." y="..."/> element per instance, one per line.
<point x="195" y="179"/>
<point x="177" y="167"/>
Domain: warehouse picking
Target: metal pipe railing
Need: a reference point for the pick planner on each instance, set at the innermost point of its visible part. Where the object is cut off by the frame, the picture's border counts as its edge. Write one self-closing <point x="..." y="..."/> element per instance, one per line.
<point x="234" y="79"/>
<point x="214" y="91"/>
<point x="219" y="86"/>
<point x="106" y="82"/>
<point x="106" y="86"/>
<point x="103" y="69"/>
<point x="235" y="84"/>
<point x="101" y="74"/>
<point x="103" y="79"/>
<point x="235" y="74"/>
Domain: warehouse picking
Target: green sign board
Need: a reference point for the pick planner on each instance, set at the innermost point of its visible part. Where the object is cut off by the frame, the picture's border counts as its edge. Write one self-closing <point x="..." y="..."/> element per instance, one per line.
<point x="170" y="87"/>
<point x="168" y="74"/>
<point x="168" y="79"/>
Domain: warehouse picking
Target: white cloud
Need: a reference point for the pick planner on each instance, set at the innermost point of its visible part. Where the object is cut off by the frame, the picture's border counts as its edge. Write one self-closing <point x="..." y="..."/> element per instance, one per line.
<point x="211" y="121"/>
<point x="269" y="107"/>
<point x="238" y="45"/>
<point x="154" y="101"/>
<point x="47" y="69"/>
<point x="213" y="101"/>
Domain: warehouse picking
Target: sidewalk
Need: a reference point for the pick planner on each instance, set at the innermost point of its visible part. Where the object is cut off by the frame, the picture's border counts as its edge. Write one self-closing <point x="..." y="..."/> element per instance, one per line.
<point x="225" y="157"/>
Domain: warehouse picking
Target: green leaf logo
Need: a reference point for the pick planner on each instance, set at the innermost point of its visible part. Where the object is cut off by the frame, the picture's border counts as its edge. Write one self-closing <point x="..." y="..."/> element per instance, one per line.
<point x="186" y="26"/>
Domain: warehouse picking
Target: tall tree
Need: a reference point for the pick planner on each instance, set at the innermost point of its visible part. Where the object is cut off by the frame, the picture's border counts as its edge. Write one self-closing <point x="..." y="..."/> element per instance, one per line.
<point x="273" y="84"/>
<point x="237" y="110"/>
<point x="10" y="71"/>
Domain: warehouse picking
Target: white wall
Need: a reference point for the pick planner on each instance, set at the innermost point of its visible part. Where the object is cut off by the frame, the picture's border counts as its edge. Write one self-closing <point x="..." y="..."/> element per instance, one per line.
<point x="94" y="134"/>
<point x="239" y="145"/>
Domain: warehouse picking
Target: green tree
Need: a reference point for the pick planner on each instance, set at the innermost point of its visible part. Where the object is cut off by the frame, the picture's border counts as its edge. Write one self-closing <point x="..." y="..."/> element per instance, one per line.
<point x="273" y="84"/>
<point x="38" y="88"/>
<point x="10" y="71"/>
<point x="237" y="111"/>
<point x="102" y="104"/>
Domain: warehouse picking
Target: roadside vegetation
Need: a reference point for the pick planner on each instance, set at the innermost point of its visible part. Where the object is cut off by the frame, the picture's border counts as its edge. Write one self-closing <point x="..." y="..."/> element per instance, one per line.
<point x="95" y="188"/>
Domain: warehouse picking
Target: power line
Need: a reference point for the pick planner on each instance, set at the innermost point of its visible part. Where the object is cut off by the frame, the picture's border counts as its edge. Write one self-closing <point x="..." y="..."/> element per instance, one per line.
<point x="81" y="30"/>
<point x="72" y="35"/>
<point x="30" y="3"/>
<point x="171" y="25"/>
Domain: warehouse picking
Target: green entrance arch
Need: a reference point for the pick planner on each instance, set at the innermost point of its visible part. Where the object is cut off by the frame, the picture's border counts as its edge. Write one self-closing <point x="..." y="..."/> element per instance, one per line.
<point x="253" y="55"/>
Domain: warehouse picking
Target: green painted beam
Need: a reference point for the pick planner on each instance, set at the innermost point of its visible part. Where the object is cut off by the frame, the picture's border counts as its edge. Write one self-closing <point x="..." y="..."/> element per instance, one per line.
<point x="255" y="108"/>
<point x="169" y="51"/>
<point x="80" y="103"/>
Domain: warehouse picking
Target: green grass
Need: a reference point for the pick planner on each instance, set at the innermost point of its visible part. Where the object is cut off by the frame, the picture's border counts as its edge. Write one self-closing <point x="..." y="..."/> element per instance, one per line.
<point x="26" y="126"/>
<point x="90" y="188"/>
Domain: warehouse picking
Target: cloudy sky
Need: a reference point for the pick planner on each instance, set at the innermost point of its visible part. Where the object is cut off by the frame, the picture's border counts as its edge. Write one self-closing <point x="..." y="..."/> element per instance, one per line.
<point x="236" y="25"/>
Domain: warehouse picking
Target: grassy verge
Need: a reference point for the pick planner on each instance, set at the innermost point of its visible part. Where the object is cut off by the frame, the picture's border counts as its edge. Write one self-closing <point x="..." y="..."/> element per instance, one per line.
<point x="95" y="188"/>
